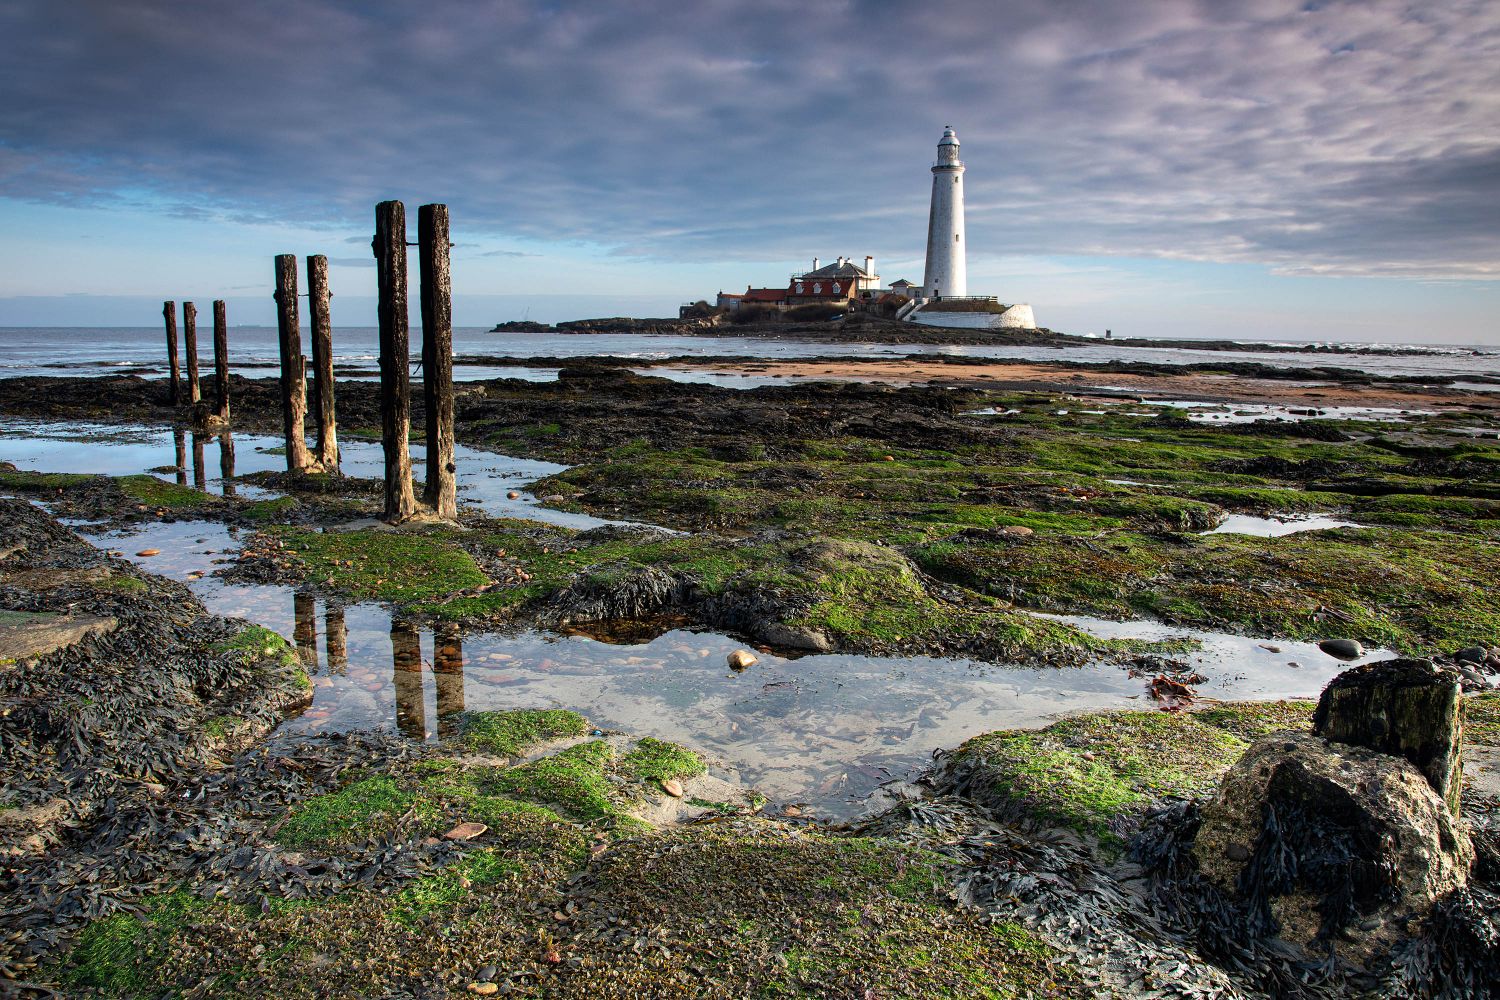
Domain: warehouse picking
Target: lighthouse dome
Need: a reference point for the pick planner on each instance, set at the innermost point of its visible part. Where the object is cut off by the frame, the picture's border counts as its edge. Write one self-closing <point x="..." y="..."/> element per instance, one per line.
<point x="950" y="137"/>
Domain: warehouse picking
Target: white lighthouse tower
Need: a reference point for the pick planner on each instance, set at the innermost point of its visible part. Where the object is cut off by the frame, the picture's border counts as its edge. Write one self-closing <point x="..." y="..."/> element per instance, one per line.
<point x="947" y="273"/>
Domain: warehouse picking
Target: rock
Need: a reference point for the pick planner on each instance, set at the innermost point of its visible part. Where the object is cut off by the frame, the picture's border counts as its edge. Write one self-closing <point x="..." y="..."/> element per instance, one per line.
<point x="465" y="831"/>
<point x="1017" y="530"/>
<point x="28" y="634"/>
<point x="487" y="973"/>
<point x="512" y="495"/>
<point x="672" y="787"/>
<point x="1344" y="649"/>
<point x="1405" y="708"/>
<point x="1322" y="839"/>
<point x="740" y="659"/>
<point x="1472" y="654"/>
<point x="484" y="989"/>
<point x="791" y="637"/>
<point x="149" y="552"/>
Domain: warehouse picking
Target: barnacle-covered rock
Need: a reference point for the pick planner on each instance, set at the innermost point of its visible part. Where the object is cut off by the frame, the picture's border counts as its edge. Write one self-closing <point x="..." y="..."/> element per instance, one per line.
<point x="1331" y="845"/>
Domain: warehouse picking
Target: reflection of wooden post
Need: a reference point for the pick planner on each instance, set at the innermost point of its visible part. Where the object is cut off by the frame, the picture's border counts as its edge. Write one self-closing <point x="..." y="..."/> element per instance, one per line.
<point x="338" y="639"/>
<point x="293" y="365"/>
<point x="305" y="629"/>
<point x="190" y="344"/>
<point x="406" y="657"/>
<point x="322" y="356"/>
<point x="448" y="675"/>
<point x="179" y="454"/>
<point x="169" y="313"/>
<point x="221" y="358"/>
<point x="200" y="474"/>
<point x="226" y="463"/>
<point x="437" y="358"/>
<point x="395" y="359"/>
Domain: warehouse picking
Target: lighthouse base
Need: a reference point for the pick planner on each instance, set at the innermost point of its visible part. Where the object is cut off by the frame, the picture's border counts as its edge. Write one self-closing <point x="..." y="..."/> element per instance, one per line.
<point x="1016" y="317"/>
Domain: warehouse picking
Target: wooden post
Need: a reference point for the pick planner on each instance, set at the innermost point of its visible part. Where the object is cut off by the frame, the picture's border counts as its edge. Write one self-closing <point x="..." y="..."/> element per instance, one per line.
<point x="190" y="344"/>
<point x="395" y="360"/>
<point x="221" y="359"/>
<point x="437" y="358"/>
<point x="322" y="357"/>
<point x="293" y="365"/>
<point x="169" y="313"/>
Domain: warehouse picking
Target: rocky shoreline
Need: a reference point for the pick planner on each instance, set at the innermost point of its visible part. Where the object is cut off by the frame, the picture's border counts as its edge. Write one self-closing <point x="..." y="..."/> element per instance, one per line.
<point x="181" y="844"/>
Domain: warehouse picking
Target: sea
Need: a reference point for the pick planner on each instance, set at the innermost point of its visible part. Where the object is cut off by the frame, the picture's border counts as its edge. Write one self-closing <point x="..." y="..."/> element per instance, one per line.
<point x="253" y="352"/>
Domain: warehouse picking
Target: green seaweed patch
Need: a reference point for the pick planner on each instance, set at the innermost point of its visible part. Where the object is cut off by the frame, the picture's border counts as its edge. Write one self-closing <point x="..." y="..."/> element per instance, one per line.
<point x="573" y="780"/>
<point x="435" y="893"/>
<point x="657" y="760"/>
<point x="1250" y="720"/>
<point x="1482" y="718"/>
<point x="360" y="811"/>
<point x="1096" y="773"/>
<point x="266" y="511"/>
<point x="397" y="566"/>
<point x="121" y="954"/>
<point x="258" y="642"/>
<point x="513" y="733"/>
<point x="34" y="481"/>
<point x="155" y="492"/>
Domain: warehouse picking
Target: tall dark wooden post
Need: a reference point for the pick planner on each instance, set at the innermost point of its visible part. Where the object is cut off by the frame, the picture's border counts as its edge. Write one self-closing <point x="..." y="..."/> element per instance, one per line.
<point x="437" y="358"/>
<point x="322" y="357"/>
<point x="169" y="313"/>
<point x="221" y="359"/>
<point x="190" y="344"/>
<point x="293" y="365"/>
<point x="395" y="359"/>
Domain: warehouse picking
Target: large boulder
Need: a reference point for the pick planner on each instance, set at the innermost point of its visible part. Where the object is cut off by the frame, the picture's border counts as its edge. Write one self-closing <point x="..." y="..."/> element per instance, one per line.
<point x="1331" y="844"/>
<point x="1402" y="707"/>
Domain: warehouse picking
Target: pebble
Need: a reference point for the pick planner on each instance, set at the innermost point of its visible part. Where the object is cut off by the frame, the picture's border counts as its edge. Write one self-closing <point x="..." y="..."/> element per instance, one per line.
<point x="672" y="787"/>
<point x="1344" y="649"/>
<point x="484" y="989"/>
<point x="1017" y="530"/>
<point x="149" y="552"/>
<point x="740" y="659"/>
<point x="512" y="495"/>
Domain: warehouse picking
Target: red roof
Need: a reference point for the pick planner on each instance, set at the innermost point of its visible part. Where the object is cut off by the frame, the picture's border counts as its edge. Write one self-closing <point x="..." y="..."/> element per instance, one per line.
<point x="764" y="294"/>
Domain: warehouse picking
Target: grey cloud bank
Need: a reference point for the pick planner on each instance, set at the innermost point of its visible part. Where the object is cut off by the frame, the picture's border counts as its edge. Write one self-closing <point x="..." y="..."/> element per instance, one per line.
<point x="1354" y="138"/>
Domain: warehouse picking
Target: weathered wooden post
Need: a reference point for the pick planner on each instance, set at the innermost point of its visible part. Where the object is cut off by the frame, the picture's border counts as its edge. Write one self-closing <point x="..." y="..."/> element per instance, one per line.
<point x="221" y="359"/>
<point x="169" y="313"/>
<point x="322" y="357"/>
<point x="190" y="344"/>
<point x="389" y="246"/>
<point x="293" y="365"/>
<point x="437" y="358"/>
<point x="406" y="659"/>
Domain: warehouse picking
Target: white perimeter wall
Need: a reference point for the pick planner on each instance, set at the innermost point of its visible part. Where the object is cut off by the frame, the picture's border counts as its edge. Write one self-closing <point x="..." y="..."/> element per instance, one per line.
<point x="1017" y="317"/>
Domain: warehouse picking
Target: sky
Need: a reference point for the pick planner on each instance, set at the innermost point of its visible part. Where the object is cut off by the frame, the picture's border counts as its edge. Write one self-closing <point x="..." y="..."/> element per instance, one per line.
<point x="1264" y="169"/>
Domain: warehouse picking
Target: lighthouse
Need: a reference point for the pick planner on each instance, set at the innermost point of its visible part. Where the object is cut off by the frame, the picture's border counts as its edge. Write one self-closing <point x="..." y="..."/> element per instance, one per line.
<point x="946" y="274"/>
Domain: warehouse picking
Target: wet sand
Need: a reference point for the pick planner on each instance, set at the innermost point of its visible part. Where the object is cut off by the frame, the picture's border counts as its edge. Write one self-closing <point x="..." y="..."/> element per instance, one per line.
<point x="1031" y="376"/>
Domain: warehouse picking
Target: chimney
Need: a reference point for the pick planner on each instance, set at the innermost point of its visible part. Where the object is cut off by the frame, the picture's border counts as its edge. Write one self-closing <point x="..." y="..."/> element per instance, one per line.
<point x="869" y="264"/>
<point x="815" y="263"/>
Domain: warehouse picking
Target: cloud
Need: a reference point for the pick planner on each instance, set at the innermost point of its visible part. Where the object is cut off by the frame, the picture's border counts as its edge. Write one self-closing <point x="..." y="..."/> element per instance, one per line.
<point x="1358" y="137"/>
